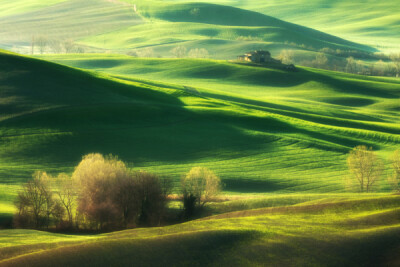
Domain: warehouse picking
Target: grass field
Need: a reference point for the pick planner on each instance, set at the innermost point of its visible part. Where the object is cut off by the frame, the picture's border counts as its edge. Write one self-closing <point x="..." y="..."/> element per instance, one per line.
<point x="225" y="31"/>
<point x="103" y="25"/>
<point x="363" y="21"/>
<point x="265" y="141"/>
<point x="277" y="139"/>
<point x="62" y="20"/>
<point x="328" y="232"/>
<point x="21" y="6"/>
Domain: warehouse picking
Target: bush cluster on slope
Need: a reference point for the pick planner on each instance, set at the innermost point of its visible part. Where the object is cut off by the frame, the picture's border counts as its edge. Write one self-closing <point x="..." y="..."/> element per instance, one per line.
<point x="102" y="194"/>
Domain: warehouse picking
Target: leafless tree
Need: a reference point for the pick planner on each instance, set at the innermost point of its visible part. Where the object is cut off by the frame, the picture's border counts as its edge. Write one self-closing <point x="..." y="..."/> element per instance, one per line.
<point x="153" y="197"/>
<point x="41" y="42"/>
<point x="126" y="197"/>
<point x="365" y="168"/>
<point x="66" y="191"/>
<point x="321" y="60"/>
<point x="35" y="202"/>
<point x="286" y="56"/>
<point x="351" y="65"/>
<point x="394" y="179"/>
<point x="179" y="51"/>
<point x="56" y="46"/>
<point x="198" y="53"/>
<point x="395" y="57"/>
<point x="69" y="46"/>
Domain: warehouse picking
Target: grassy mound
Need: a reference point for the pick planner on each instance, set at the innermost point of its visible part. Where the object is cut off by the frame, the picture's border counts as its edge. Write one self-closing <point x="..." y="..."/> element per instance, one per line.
<point x="337" y="235"/>
<point x="222" y="30"/>
<point x="99" y="25"/>
<point x="369" y="22"/>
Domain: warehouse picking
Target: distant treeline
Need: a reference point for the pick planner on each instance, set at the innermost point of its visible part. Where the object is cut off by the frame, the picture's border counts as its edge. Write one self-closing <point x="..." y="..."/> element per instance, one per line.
<point x="351" y="61"/>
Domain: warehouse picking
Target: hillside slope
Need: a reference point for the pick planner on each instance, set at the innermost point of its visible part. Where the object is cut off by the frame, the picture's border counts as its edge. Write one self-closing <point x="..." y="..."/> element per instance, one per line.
<point x="365" y="21"/>
<point x="62" y="21"/>
<point x="223" y="30"/>
<point x="100" y="25"/>
<point x="364" y="232"/>
<point x="264" y="140"/>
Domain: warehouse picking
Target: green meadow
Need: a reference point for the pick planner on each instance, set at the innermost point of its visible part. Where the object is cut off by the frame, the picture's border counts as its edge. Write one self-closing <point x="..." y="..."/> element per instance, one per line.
<point x="102" y="25"/>
<point x="365" y="21"/>
<point x="341" y="232"/>
<point x="278" y="139"/>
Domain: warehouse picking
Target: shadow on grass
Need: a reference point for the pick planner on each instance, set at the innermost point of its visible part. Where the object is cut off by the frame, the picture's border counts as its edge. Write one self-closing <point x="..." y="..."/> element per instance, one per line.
<point x="189" y="249"/>
<point x="252" y="186"/>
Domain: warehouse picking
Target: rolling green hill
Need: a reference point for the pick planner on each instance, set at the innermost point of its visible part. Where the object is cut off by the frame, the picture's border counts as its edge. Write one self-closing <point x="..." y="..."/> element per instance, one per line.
<point x="278" y="139"/>
<point x="21" y="6"/>
<point x="62" y="20"/>
<point x="103" y="25"/>
<point x="365" y="21"/>
<point x="328" y="232"/>
<point x="224" y="31"/>
<point x="260" y="129"/>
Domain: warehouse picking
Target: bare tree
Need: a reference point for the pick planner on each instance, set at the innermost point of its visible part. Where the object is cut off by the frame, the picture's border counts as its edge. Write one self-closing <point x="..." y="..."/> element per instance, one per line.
<point x="179" y="51"/>
<point x="286" y="56"/>
<point x="126" y="197"/>
<point x="365" y="168"/>
<point x="395" y="57"/>
<point x="351" y="65"/>
<point x="198" y="53"/>
<point x="321" y="60"/>
<point x="66" y="192"/>
<point x="394" y="180"/>
<point x="380" y="68"/>
<point x="153" y="197"/>
<point x="56" y="46"/>
<point x="69" y="46"/>
<point x="35" y="202"/>
<point x="41" y="42"/>
<point x="146" y="52"/>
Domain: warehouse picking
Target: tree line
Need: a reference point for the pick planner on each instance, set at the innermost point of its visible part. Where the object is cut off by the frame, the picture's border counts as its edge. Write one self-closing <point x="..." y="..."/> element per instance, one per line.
<point x="42" y="44"/>
<point x="103" y="194"/>
<point x="376" y="64"/>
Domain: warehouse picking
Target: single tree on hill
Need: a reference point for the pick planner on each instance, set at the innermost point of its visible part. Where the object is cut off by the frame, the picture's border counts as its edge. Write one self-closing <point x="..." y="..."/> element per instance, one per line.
<point x="41" y="42"/>
<point x="35" y="203"/>
<point x="179" y="51"/>
<point x="394" y="180"/>
<point x="365" y="168"/>
<point x="199" y="186"/>
<point x="396" y="61"/>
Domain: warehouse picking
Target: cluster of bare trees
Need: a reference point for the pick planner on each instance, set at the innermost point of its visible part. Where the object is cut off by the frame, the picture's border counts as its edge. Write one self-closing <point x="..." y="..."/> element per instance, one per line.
<point x="102" y="193"/>
<point x="44" y="44"/>
<point x="182" y="52"/>
<point x="366" y="170"/>
<point x="347" y="61"/>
